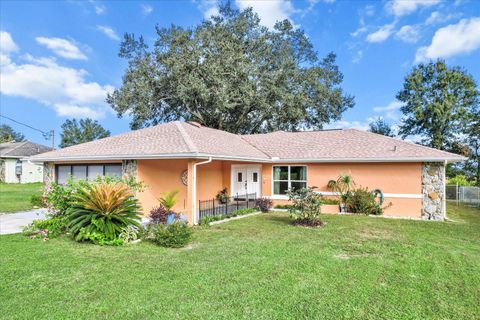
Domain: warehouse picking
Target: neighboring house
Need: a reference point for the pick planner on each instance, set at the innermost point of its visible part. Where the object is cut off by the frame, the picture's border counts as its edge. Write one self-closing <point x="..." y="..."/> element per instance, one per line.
<point x="199" y="161"/>
<point x="14" y="168"/>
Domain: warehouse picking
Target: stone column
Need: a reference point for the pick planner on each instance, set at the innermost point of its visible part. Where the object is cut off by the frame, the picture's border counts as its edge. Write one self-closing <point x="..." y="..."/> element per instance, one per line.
<point x="48" y="173"/>
<point x="129" y="168"/>
<point x="433" y="174"/>
<point x="2" y="170"/>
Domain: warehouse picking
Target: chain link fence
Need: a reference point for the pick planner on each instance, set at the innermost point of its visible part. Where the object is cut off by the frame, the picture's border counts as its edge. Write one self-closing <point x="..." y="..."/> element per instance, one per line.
<point x="465" y="195"/>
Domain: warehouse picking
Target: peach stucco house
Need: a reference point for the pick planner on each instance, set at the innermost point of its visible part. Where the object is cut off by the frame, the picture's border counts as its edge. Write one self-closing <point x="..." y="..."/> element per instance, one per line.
<point x="200" y="161"/>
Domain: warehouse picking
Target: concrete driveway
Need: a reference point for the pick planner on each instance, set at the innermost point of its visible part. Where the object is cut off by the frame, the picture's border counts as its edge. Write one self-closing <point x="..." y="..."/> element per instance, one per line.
<point x="14" y="222"/>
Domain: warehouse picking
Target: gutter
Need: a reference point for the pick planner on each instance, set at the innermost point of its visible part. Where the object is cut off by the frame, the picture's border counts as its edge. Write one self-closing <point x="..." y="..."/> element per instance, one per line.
<point x="194" y="186"/>
<point x="196" y="155"/>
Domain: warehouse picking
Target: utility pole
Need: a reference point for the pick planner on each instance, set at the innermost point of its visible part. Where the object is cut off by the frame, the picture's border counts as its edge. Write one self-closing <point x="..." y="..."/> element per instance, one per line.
<point x="53" y="139"/>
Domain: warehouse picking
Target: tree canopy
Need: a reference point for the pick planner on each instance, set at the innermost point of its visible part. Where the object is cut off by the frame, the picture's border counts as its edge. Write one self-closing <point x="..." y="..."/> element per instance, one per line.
<point x="230" y="73"/>
<point x="8" y="134"/>
<point x="85" y="130"/>
<point x="380" y="126"/>
<point x="439" y="103"/>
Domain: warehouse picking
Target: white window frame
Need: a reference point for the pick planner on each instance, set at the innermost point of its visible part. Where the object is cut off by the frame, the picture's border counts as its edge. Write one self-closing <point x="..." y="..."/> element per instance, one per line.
<point x="284" y="196"/>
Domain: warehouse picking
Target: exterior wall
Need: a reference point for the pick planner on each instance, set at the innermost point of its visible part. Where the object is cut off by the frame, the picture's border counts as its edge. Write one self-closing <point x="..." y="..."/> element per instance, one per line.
<point x="31" y="172"/>
<point x="401" y="180"/>
<point x="433" y="190"/>
<point x="210" y="180"/>
<point x="162" y="176"/>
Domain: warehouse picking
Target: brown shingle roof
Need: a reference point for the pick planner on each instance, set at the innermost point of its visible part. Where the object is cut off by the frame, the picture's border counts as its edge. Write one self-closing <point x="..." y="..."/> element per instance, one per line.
<point x="181" y="139"/>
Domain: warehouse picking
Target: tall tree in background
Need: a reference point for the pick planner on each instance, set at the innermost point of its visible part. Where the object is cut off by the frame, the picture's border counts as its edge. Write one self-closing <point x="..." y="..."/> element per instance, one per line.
<point x="473" y="141"/>
<point x="380" y="126"/>
<point x="230" y="73"/>
<point x="8" y="134"/>
<point x="82" y="131"/>
<point x="439" y="102"/>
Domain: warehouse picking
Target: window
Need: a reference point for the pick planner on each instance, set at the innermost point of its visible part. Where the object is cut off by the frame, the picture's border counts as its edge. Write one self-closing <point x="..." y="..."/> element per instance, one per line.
<point x="87" y="171"/>
<point x="288" y="177"/>
<point x="255" y="177"/>
<point x="239" y="177"/>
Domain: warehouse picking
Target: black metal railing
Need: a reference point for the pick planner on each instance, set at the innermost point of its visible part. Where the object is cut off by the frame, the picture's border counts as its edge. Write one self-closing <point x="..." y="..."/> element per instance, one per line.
<point x="215" y="207"/>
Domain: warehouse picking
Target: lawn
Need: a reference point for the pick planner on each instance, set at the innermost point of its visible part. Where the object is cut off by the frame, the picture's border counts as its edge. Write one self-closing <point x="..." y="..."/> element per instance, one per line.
<point x="259" y="267"/>
<point x="16" y="197"/>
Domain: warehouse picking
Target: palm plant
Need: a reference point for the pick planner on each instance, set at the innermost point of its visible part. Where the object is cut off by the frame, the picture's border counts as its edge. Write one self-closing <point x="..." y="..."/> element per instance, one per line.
<point x="102" y="211"/>
<point x="168" y="199"/>
<point x="343" y="185"/>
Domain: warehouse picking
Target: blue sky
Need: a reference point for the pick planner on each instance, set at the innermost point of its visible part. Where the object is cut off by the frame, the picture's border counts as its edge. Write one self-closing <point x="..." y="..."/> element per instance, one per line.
<point x="59" y="59"/>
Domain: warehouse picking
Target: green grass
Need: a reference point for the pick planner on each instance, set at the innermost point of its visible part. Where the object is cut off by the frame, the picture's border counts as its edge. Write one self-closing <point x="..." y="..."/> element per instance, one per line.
<point x="259" y="267"/>
<point x="16" y="197"/>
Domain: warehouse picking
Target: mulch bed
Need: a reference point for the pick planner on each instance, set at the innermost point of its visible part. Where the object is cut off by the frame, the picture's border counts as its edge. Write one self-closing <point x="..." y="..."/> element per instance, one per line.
<point x="308" y="223"/>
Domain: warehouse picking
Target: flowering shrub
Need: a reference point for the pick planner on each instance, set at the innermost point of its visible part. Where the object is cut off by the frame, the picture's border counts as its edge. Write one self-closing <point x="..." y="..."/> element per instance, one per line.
<point x="306" y="207"/>
<point x="264" y="204"/>
<point x="159" y="215"/>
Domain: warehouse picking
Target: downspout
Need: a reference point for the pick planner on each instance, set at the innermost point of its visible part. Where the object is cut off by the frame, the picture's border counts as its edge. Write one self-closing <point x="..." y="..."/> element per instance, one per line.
<point x="445" y="190"/>
<point x="194" y="182"/>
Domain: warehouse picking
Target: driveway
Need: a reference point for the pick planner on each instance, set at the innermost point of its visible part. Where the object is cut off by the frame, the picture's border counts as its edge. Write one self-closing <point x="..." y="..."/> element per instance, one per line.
<point x="14" y="222"/>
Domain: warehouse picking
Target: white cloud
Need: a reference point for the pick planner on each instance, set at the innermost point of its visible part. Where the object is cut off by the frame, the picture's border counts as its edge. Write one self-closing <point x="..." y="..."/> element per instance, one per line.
<point x="62" y="47"/>
<point x="454" y="39"/>
<point x="358" y="56"/>
<point x="359" y="31"/>
<point x="269" y="11"/>
<point x="438" y="17"/>
<point x="209" y="8"/>
<point x="390" y="110"/>
<point x="146" y="9"/>
<point x="109" y="32"/>
<point x="7" y="44"/>
<point x="99" y="9"/>
<point x="369" y="10"/>
<point x="64" y="89"/>
<point x="409" y="33"/>
<point x="403" y="7"/>
<point x="345" y="124"/>
<point x="382" y="34"/>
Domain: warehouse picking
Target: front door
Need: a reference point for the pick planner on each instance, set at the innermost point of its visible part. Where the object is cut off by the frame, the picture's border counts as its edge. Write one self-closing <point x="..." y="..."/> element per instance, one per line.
<point x="246" y="180"/>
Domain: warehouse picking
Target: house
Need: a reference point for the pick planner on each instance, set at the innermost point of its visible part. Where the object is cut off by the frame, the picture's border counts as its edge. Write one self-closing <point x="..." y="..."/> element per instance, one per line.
<point x="14" y="168"/>
<point x="199" y="161"/>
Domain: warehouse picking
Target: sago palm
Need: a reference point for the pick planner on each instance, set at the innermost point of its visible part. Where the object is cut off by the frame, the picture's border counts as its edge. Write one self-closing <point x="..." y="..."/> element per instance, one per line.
<point x="104" y="208"/>
<point x="343" y="185"/>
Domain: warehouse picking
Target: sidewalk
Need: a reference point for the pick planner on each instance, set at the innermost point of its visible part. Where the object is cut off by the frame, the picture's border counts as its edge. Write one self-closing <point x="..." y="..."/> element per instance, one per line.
<point x="14" y="222"/>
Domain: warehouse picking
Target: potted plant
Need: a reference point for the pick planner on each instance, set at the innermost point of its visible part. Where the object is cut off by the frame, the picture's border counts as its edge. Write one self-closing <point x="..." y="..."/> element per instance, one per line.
<point x="344" y="186"/>
<point x="222" y="196"/>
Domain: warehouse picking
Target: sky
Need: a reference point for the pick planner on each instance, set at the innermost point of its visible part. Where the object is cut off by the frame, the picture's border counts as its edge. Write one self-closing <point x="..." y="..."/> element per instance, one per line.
<point x="58" y="60"/>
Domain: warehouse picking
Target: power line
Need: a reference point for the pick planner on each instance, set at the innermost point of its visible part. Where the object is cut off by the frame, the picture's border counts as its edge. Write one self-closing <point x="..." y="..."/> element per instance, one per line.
<point x="46" y="134"/>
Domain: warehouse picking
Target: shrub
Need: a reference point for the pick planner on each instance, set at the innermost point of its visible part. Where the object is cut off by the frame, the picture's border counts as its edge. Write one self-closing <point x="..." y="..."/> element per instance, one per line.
<point x="363" y="201"/>
<point x="264" y="204"/>
<point x="330" y="201"/>
<point x="460" y="180"/>
<point x="175" y="235"/>
<point x="222" y="196"/>
<point x="52" y="227"/>
<point x="284" y="206"/>
<point x="159" y="215"/>
<point x="99" y="212"/>
<point x="306" y="205"/>
<point x="36" y="200"/>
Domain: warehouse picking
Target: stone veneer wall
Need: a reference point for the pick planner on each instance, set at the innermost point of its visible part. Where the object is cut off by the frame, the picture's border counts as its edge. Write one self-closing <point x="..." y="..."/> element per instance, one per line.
<point x="129" y="168"/>
<point x="433" y="191"/>
<point x="48" y="172"/>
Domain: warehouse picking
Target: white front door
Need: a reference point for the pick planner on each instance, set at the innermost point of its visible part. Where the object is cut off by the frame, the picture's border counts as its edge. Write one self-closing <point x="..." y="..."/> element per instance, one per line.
<point x="246" y="180"/>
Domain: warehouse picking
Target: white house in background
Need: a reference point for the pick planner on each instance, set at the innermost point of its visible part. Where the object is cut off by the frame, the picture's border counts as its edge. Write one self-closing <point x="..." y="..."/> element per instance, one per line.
<point x="14" y="168"/>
